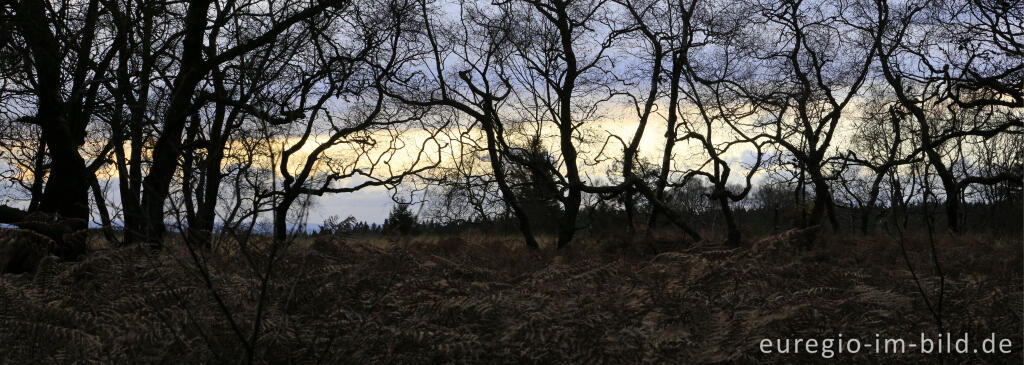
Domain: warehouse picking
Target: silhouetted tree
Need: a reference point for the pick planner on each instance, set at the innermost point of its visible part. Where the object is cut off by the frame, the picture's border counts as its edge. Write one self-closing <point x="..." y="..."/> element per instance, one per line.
<point x="401" y="219"/>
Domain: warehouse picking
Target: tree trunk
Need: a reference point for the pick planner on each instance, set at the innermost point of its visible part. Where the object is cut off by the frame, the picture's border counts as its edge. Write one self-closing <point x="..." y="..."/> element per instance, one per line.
<point x="952" y="207"/>
<point x="38" y="176"/>
<point x="823" y="203"/>
<point x="506" y="191"/>
<point x="869" y="209"/>
<point x="566" y="127"/>
<point x="168" y="146"/>
<point x="949" y="184"/>
<point x="67" y="190"/>
<point x="670" y="136"/>
<point x="130" y="166"/>
<point x="101" y="207"/>
<point x="730" y="222"/>
<point x="567" y="224"/>
<point x="66" y="193"/>
<point x="628" y="204"/>
<point x="281" y="218"/>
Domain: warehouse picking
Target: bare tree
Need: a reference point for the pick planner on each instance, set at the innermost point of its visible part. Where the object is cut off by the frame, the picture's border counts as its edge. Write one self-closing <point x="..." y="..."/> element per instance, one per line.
<point x="563" y="65"/>
<point x="878" y="148"/>
<point x="713" y="90"/>
<point x="145" y="29"/>
<point x="63" y="60"/>
<point x="193" y="68"/>
<point x="973" y="96"/>
<point x="825" y="53"/>
<point x="478" y="88"/>
<point x="368" y="124"/>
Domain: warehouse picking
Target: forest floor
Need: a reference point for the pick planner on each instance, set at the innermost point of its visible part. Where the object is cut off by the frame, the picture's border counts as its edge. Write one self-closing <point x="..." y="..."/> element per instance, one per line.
<point x="477" y="299"/>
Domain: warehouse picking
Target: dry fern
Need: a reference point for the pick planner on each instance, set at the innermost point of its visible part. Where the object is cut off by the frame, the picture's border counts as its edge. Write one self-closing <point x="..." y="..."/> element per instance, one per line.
<point x="353" y="303"/>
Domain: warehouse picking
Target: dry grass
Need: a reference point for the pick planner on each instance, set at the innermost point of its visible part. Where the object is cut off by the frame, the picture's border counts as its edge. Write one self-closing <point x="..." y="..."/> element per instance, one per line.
<point x="483" y="299"/>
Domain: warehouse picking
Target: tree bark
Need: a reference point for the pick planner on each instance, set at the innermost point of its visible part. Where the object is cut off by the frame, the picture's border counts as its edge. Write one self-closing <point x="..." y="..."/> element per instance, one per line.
<point x="168" y="146"/>
<point x="65" y="193"/>
<point x="730" y="222"/>
<point x="566" y="127"/>
<point x="506" y="191"/>
<point x="670" y="136"/>
<point x="38" y="176"/>
<point x="823" y="202"/>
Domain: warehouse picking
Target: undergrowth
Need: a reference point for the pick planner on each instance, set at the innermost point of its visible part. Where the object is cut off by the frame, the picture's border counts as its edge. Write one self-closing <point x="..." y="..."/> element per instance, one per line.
<point x="485" y="301"/>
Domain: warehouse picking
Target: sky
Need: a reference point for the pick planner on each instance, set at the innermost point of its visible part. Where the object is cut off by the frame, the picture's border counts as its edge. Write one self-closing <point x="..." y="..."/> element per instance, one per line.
<point x="374" y="203"/>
